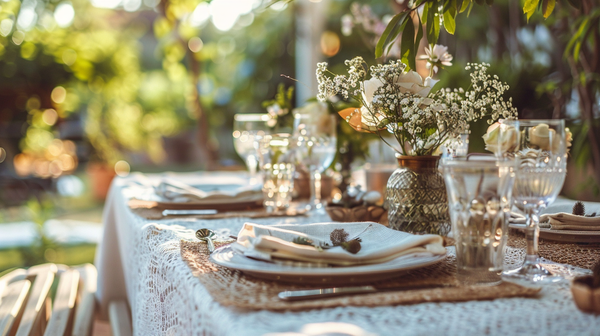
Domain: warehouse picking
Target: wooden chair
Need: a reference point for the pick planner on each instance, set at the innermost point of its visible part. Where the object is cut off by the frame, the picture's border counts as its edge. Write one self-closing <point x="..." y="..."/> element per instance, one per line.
<point x="26" y="308"/>
<point x="25" y="304"/>
<point x="120" y="322"/>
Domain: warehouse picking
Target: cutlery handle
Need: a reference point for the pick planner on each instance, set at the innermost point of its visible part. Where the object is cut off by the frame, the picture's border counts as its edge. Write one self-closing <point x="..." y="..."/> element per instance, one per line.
<point x="211" y="245"/>
<point x="340" y="291"/>
<point x="188" y="212"/>
<point x="324" y="292"/>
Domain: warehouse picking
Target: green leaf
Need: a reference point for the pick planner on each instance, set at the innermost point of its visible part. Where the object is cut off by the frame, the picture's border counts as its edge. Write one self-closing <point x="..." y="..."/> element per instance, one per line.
<point x="419" y="36"/>
<point x="548" y="7"/>
<point x="470" y="7"/>
<point x="449" y="17"/>
<point x="408" y="44"/>
<point x="464" y="5"/>
<point x="390" y="33"/>
<point x="529" y="7"/>
<point x="479" y="2"/>
<point x="433" y="23"/>
<point x="577" y="39"/>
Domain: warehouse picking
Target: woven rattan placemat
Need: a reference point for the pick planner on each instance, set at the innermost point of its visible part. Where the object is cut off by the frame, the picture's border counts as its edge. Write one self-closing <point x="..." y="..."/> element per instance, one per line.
<point x="583" y="255"/>
<point x="233" y="288"/>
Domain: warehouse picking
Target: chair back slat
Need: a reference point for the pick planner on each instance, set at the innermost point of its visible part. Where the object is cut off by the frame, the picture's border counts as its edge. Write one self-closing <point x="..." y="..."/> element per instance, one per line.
<point x="36" y="312"/>
<point x="84" y="313"/>
<point x="18" y="274"/>
<point x="12" y="303"/>
<point x="64" y="304"/>
<point x="120" y="322"/>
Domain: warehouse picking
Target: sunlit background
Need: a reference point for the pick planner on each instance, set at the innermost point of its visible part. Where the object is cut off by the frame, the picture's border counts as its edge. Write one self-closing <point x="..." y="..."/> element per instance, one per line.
<point x="92" y="89"/>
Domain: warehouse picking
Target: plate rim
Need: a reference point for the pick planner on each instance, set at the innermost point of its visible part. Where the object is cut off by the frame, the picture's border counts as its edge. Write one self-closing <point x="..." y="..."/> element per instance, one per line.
<point x="340" y="271"/>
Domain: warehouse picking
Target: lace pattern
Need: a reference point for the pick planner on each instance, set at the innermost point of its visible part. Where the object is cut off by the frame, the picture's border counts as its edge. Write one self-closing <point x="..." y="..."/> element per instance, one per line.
<point x="166" y="299"/>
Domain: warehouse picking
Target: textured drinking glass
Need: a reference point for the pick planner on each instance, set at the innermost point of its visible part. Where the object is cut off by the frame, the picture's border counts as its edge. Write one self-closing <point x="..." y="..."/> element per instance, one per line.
<point x="276" y="158"/>
<point x="316" y="143"/>
<point x="247" y="129"/>
<point x="479" y="195"/>
<point x="540" y="148"/>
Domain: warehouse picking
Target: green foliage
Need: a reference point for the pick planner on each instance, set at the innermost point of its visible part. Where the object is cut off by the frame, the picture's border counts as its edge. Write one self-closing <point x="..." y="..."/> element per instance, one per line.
<point x="432" y="19"/>
<point x="40" y="210"/>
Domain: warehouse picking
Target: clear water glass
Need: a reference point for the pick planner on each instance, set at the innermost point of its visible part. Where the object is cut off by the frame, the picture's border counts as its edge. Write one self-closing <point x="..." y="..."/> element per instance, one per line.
<point x="479" y="195"/>
<point x="540" y="148"/>
<point x="248" y="128"/>
<point x="276" y="157"/>
<point x="316" y="146"/>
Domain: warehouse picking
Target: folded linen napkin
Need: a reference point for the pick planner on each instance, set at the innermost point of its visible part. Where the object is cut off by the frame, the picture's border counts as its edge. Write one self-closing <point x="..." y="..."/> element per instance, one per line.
<point x="567" y="221"/>
<point x="175" y="191"/>
<point x="379" y="243"/>
<point x="558" y="216"/>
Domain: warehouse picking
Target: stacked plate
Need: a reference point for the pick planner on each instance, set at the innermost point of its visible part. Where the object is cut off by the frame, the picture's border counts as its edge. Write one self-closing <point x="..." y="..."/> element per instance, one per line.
<point x="268" y="252"/>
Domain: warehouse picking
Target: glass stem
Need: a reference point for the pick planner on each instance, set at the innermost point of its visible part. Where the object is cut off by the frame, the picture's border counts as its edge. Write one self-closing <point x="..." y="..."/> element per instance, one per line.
<point x="315" y="188"/>
<point x="532" y="233"/>
<point x="251" y="162"/>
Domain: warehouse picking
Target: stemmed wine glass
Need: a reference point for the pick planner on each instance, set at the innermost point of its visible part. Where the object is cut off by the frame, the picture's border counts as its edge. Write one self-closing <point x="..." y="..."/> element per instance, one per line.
<point x="248" y="128"/>
<point x="540" y="148"/>
<point x="316" y="141"/>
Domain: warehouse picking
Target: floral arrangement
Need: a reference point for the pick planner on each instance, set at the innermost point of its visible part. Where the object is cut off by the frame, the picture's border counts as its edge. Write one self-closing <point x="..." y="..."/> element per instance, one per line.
<point x="404" y="104"/>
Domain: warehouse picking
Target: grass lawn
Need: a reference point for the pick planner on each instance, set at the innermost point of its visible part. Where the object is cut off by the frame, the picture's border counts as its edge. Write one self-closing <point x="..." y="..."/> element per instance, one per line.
<point x="68" y="255"/>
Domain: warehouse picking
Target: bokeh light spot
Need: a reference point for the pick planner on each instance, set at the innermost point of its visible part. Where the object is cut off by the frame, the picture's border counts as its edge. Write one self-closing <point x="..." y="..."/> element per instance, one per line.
<point x="132" y="5"/>
<point x="122" y="168"/>
<point x="2" y="154"/>
<point x="6" y="26"/>
<point x="50" y="116"/>
<point x="64" y="14"/>
<point x="58" y="95"/>
<point x="70" y="186"/>
<point x="330" y="43"/>
<point x="195" y="44"/>
<point x="69" y="57"/>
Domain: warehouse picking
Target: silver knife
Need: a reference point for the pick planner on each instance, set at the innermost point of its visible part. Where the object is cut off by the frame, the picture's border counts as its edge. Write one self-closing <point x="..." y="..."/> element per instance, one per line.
<point x="188" y="212"/>
<point x="339" y="291"/>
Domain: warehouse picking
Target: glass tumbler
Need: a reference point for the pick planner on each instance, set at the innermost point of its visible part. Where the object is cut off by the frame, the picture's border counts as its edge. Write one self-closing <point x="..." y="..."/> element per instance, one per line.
<point x="276" y="159"/>
<point x="480" y="198"/>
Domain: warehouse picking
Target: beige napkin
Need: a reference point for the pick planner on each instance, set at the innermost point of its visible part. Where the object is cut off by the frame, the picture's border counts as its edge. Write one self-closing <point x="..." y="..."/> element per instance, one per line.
<point x="558" y="216"/>
<point x="175" y="191"/>
<point x="379" y="243"/>
<point x="566" y="221"/>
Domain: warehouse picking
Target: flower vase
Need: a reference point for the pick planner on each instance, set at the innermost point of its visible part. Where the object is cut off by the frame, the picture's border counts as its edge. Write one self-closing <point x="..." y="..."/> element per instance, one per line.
<point x="416" y="197"/>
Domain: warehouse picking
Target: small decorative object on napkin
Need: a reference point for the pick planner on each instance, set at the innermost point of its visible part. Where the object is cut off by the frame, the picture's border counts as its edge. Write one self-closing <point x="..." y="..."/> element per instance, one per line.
<point x="566" y="221"/>
<point x="312" y="243"/>
<point x="175" y="191"/>
<point x="357" y="206"/>
<point x="586" y="291"/>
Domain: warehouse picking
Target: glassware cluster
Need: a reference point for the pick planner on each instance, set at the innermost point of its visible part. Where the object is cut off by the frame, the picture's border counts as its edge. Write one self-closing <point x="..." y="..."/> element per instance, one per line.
<point x="533" y="154"/>
<point x="311" y="147"/>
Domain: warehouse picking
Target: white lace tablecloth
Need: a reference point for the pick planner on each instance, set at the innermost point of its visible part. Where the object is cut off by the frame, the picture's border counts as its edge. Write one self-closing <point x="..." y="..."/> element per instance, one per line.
<point x="139" y="261"/>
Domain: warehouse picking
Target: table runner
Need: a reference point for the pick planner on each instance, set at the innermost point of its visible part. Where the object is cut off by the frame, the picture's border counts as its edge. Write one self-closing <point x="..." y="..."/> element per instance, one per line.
<point x="233" y="288"/>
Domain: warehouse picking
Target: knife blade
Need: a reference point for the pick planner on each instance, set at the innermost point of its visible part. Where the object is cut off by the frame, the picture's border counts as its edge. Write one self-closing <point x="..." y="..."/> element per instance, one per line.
<point x="297" y="295"/>
<point x="188" y="212"/>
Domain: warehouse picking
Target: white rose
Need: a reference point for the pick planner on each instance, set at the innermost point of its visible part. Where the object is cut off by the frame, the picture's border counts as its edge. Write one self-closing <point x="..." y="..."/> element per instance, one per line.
<point x="413" y="83"/>
<point x="500" y="138"/>
<point x="369" y="88"/>
<point x="410" y="82"/>
<point x="541" y="136"/>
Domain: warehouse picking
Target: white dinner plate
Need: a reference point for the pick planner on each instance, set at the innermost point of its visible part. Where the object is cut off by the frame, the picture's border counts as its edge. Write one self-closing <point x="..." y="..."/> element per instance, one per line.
<point x="228" y="257"/>
<point x="565" y="236"/>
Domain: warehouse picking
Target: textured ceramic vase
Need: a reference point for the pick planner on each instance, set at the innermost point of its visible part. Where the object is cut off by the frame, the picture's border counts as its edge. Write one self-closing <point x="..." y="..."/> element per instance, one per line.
<point x="416" y="197"/>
